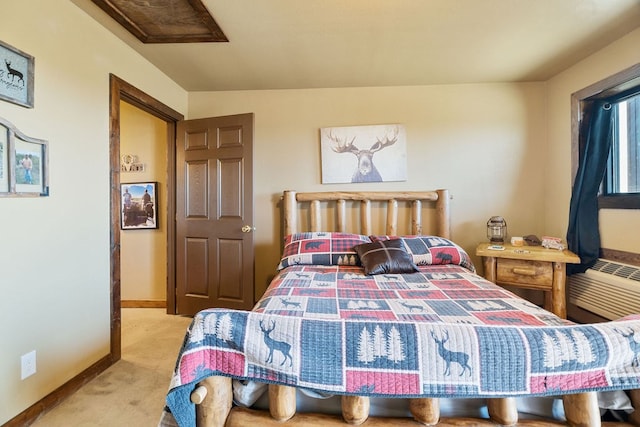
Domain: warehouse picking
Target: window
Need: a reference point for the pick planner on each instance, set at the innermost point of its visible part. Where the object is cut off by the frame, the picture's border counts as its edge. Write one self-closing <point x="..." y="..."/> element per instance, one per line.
<point x="623" y="168"/>
<point x="621" y="184"/>
<point x="620" y="188"/>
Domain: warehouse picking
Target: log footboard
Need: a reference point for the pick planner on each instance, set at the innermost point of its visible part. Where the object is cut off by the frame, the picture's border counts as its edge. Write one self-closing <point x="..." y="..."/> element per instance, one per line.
<point x="213" y="398"/>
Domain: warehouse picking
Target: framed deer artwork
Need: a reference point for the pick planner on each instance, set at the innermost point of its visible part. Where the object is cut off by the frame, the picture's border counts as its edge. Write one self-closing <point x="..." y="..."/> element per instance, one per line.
<point x="376" y="153"/>
<point x="16" y="76"/>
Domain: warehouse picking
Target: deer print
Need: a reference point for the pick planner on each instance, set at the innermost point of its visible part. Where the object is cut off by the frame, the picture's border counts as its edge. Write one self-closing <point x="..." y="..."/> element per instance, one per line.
<point x="411" y="307"/>
<point x="449" y="356"/>
<point x="281" y="346"/>
<point x="366" y="171"/>
<point x="634" y="345"/>
<point x="288" y="303"/>
<point x="13" y="72"/>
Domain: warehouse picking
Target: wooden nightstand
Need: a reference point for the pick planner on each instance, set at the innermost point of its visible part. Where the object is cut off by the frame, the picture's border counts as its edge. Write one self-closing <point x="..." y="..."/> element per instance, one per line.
<point x="530" y="267"/>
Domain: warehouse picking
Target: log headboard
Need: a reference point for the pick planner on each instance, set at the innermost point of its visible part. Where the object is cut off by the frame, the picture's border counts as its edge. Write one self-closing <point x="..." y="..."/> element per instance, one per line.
<point x="437" y="201"/>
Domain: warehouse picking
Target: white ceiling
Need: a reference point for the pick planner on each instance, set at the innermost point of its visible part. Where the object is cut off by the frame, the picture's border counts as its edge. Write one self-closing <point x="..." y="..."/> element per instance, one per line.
<point x="290" y="44"/>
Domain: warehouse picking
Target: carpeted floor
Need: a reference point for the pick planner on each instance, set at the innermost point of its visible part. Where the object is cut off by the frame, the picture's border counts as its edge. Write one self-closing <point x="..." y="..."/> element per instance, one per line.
<point x="132" y="391"/>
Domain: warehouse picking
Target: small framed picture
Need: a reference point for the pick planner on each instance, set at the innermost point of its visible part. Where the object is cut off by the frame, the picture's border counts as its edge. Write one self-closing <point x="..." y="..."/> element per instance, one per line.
<point x="16" y="76"/>
<point x="24" y="163"/>
<point x="4" y="159"/>
<point x="138" y="205"/>
<point x="30" y="167"/>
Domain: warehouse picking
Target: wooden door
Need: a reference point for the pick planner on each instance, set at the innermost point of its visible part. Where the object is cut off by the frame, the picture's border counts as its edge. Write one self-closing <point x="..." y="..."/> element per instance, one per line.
<point x="214" y="214"/>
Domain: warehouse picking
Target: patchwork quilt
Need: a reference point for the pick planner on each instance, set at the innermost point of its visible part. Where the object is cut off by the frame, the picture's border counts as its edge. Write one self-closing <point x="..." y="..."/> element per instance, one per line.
<point x="441" y="332"/>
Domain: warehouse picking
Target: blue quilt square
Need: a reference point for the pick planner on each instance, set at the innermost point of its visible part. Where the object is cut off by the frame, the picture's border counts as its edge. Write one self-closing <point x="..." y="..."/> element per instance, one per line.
<point x="321" y="358"/>
<point x="498" y="345"/>
<point x="322" y="305"/>
<point x="447" y="308"/>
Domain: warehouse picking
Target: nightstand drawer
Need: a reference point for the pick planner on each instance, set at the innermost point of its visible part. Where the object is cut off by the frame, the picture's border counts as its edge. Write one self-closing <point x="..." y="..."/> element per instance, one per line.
<point x="535" y="274"/>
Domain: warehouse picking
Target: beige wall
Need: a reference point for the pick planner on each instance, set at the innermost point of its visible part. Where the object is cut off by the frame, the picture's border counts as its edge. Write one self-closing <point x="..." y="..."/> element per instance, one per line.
<point x="484" y="142"/>
<point x="617" y="227"/>
<point x="54" y="256"/>
<point x="143" y="253"/>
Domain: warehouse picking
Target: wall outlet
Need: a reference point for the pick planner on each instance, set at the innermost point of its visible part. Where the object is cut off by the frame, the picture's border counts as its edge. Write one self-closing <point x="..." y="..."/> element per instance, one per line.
<point x="28" y="364"/>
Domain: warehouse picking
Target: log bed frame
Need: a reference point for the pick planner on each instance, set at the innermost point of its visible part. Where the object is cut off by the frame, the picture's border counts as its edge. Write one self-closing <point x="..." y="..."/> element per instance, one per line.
<point x="213" y="396"/>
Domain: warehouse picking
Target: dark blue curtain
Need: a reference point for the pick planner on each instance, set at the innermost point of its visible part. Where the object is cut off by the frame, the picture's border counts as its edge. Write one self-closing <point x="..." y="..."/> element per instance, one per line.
<point x="583" y="234"/>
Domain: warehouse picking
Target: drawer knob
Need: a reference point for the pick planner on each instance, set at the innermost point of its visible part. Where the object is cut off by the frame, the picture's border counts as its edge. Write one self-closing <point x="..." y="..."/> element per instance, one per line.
<point x="525" y="271"/>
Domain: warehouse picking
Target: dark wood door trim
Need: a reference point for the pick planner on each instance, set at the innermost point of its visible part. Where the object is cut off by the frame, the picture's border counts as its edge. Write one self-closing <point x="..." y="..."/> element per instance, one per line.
<point x="123" y="91"/>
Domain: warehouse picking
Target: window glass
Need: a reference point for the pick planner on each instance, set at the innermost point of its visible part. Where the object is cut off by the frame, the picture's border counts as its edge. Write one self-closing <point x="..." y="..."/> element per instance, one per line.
<point x="623" y="171"/>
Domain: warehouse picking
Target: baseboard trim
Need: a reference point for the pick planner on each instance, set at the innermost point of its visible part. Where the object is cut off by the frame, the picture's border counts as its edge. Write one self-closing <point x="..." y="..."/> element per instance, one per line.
<point x="141" y="303"/>
<point x="53" y="399"/>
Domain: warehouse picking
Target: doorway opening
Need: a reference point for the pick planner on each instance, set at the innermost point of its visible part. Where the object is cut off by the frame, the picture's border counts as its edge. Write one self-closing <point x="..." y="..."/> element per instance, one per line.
<point x="123" y="91"/>
<point x="143" y="225"/>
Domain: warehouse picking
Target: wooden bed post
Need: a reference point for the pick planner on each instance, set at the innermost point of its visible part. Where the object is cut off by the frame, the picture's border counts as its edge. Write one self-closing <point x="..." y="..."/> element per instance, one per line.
<point x="214" y="402"/>
<point x="355" y="409"/>
<point x="365" y="217"/>
<point x="444" y="214"/>
<point x="634" y="418"/>
<point x="504" y="411"/>
<point x="581" y="409"/>
<point x="416" y="218"/>
<point x="291" y="212"/>
<point x="282" y="402"/>
<point x="341" y="210"/>
<point x="425" y="410"/>
<point x="316" y="215"/>
<point x="392" y="217"/>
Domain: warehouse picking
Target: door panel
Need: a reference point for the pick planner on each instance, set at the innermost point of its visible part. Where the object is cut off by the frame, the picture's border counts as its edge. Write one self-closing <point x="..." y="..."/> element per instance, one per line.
<point x="214" y="196"/>
<point x="196" y="190"/>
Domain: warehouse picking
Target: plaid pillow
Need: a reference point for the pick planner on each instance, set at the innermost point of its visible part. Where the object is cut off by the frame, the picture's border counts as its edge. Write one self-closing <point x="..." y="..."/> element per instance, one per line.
<point x="321" y="248"/>
<point x="432" y="250"/>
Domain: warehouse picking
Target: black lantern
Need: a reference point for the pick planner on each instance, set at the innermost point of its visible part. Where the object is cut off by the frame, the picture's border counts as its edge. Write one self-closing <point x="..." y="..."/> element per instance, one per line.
<point x="496" y="229"/>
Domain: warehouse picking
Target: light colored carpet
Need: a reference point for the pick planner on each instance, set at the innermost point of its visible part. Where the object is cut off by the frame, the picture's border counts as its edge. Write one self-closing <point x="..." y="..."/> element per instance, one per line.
<point x="132" y="391"/>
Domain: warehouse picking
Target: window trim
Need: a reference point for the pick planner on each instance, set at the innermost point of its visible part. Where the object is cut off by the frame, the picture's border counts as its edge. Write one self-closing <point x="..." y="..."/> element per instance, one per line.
<point x="619" y="201"/>
<point x="612" y="85"/>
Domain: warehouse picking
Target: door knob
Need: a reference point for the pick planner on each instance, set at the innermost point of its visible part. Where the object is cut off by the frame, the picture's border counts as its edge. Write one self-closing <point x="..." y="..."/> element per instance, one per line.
<point x="247" y="229"/>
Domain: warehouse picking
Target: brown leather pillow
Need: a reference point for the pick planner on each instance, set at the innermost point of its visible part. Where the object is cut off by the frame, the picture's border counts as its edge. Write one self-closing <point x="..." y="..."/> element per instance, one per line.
<point x="385" y="257"/>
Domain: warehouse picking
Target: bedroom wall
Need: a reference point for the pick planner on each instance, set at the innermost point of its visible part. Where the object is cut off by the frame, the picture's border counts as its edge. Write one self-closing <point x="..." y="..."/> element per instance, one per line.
<point x="54" y="256"/>
<point x="615" y="224"/>
<point x="484" y="142"/>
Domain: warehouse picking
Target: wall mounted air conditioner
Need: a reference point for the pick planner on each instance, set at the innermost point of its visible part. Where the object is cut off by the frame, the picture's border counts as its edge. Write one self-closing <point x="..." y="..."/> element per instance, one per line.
<point x="609" y="289"/>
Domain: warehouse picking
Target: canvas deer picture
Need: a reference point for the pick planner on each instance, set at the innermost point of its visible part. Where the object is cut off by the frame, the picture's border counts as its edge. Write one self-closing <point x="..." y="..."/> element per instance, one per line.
<point x="351" y="154"/>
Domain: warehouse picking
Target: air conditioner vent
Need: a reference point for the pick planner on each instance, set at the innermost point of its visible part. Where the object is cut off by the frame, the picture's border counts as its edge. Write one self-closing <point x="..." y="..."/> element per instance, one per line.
<point x="600" y="264"/>
<point x="617" y="269"/>
<point x="632" y="273"/>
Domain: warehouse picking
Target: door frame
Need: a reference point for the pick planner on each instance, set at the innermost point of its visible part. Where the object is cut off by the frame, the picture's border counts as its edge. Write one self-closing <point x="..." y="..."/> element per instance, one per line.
<point x="120" y="90"/>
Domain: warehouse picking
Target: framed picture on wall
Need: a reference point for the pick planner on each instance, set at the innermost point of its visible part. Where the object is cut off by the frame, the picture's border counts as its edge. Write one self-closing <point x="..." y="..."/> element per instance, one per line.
<point x="138" y="205"/>
<point x="16" y="76"/>
<point x="24" y="163"/>
<point x="30" y="170"/>
<point x="348" y="154"/>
